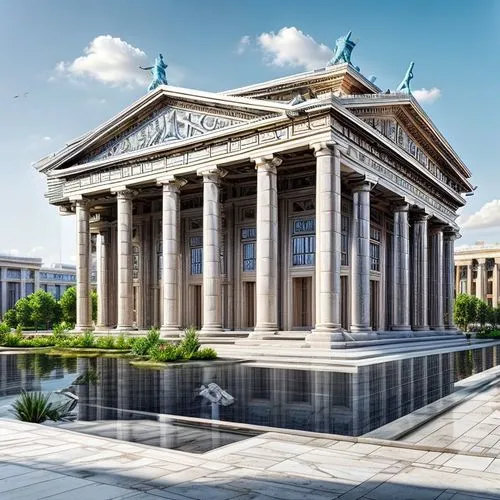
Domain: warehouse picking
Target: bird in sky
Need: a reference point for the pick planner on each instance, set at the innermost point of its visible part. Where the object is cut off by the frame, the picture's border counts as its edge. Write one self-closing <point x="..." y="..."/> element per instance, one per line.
<point x="24" y="95"/>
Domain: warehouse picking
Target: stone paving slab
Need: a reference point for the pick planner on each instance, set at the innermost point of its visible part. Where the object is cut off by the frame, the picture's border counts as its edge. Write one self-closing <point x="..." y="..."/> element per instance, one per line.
<point x="270" y="466"/>
<point x="472" y="426"/>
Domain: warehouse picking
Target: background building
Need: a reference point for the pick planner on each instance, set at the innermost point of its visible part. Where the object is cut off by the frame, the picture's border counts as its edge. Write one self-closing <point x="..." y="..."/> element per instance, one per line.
<point x="476" y="271"/>
<point x="21" y="276"/>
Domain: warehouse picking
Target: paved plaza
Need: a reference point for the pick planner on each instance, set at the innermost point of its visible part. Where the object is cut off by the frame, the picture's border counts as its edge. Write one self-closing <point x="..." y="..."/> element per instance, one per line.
<point x="471" y="426"/>
<point x="42" y="462"/>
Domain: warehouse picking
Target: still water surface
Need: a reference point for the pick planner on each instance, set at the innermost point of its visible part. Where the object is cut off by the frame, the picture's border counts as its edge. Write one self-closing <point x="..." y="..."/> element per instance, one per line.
<point x="119" y="400"/>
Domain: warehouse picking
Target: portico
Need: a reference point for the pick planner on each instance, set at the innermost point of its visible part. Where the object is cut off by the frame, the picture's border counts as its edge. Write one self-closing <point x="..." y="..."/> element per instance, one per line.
<point x="242" y="211"/>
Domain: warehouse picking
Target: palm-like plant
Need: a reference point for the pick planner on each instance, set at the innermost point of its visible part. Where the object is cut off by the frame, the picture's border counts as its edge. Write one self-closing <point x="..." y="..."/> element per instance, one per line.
<point x="36" y="407"/>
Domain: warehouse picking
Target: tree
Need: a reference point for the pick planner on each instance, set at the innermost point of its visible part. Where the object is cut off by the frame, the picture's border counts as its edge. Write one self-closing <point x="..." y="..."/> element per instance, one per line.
<point x="24" y="311"/>
<point x="68" y="305"/>
<point x="460" y="310"/>
<point x="482" y="312"/>
<point x="472" y="309"/>
<point x="10" y="318"/>
<point x="42" y="305"/>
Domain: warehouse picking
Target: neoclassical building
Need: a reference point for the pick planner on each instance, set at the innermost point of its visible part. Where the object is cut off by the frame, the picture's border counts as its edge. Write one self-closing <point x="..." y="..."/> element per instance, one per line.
<point x="312" y="202"/>
<point x="476" y="271"/>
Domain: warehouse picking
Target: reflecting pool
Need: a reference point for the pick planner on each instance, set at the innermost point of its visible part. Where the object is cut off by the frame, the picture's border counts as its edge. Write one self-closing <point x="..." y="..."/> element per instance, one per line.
<point x="117" y="399"/>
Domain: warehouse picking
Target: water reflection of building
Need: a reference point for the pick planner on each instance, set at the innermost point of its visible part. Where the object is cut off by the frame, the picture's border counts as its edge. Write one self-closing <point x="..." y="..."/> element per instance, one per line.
<point x="352" y="402"/>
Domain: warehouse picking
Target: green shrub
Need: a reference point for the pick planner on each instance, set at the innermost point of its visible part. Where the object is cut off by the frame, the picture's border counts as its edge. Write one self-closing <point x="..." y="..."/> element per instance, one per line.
<point x="36" y="407"/>
<point x="166" y="352"/>
<point x="140" y="346"/>
<point x="122" y="342"/>
<point x="12" y="339"/>
<point x="4" y="328"/>
<point x="45" y="341"/>
<point x="10" y="318"/>
<point x="61" y="329"/>
<point x="205" y="353"/>
<point x="86" y="340"/>
<point x="107" y="342"/>
<point x="190" y="343"/>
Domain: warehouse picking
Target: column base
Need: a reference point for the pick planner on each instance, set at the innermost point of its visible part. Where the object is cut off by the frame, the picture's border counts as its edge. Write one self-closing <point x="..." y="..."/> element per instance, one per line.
<point x="323" y="338"/>
<point x="170" y="331"/>
<point x="211" y="331"/>
<point x="261" y="333"/>
<point x="401" y="328"/>
<point x="437" y="328"/>
<point x="82" y="328"/>
<point x="124" y="328"/>
<point x="102" y="329"/>
<point x="424" y="328"/>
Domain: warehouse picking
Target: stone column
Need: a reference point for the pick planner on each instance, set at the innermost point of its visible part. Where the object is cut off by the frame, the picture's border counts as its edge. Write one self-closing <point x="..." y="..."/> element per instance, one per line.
<point x="83" y="316"/>
<point x="266" y="269"/>
<point x="212" y="290"/>
<point x="102" y="249"/>
<point x="360" y="262"/>
<point x="171" y="249"/>
<point x="420" y="320"/>
<point x="480" y="291"/>
<point x="457" y="270"/>
<point x="469" y="279"/>
<point x="3" y="285"/>
<point x="401" y="270"/>
<point x="124" y="244"/>
<point x="495" y="284"/>
<point x="436" y="279"/>
<point x="448" y="278"/>
<point x="328" y="254"/>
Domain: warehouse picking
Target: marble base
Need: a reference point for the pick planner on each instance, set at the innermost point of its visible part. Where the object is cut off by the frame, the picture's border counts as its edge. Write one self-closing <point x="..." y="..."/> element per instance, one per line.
<point x="212" y="332"/>
<point x="169" y="331"/>
<point x="125" y="328"/>
<point x="83" y="328"/>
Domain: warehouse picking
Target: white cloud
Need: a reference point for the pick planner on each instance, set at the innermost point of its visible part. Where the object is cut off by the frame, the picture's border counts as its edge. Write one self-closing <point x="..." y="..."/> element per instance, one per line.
<point x="424" y="95"/>
<point x="243" y="44"/>
<point x="109" y="60"/>
<point x="36" y="251"/>
<point x="47" y="138"/>
<point x="487" y="216"/>
<point x="291" y="47"/>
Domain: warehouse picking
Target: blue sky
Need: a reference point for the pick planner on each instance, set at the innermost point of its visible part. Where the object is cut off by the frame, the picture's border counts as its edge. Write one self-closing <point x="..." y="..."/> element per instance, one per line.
<point x="224" y="44"/>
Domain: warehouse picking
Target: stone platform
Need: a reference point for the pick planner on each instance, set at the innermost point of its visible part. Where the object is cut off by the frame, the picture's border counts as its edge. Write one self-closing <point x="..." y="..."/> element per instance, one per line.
<point x="42" y="462"/>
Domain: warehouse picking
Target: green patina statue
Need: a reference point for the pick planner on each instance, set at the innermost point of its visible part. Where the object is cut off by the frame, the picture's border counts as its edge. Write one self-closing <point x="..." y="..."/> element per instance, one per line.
<point x="404" y="86"/>
<point x="158" y="71"/>
<point x="343" y="50"/>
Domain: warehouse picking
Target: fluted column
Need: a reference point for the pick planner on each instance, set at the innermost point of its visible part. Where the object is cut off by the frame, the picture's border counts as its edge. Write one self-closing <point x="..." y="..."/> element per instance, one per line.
<point x="266" y="269"/>
<point x="171" y="249"/>
<point x="480" y="291"/>
<point x="448" y="278"/>
<point x="83" y="317"/>
<point x="328" y="253"/>
<point x="360" y="263"/>
<point x="401" y="270"/>
<point x="436" y="279"/>
<point x="469" y="279"/>
<point x="212" y="313"/>
<point x="102" y="257"/>
<point x="124" y="244"/>
<point x="420" y="264"/>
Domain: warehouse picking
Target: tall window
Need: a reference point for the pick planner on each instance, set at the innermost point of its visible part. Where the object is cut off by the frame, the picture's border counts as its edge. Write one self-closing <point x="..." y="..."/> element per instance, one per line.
<point x="375" y="237"/>
<point x="303" y="242"/>
<point x="344" y="241"/>
<point x="248" y="236"/>
<point x="196" y="246"/>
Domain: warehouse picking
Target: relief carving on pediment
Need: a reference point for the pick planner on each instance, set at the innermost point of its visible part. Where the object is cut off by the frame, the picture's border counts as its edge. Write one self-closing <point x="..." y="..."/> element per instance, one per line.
<point x="165" y="125"/>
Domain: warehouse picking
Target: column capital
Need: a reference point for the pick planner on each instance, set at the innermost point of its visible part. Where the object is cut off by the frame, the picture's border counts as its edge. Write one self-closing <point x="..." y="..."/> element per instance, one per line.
<point x="80" y="201"/>
<point x="123" y="193"/>
<point x="365" y="185"/>
<point x="451" y="233"/>
<point x="420" y="217"/>
<point x="400" y="207"/>
<point x="211" y="173"/>
<point x="171" y="182"/>
<point x="267" y="162"/>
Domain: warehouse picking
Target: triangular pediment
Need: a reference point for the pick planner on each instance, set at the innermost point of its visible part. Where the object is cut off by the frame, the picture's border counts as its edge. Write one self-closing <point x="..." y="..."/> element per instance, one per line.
<point x="164" y="116"/>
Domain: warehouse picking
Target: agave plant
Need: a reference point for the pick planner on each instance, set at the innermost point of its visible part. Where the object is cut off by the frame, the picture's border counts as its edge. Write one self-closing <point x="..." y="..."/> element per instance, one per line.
<point x="36" y="407"/>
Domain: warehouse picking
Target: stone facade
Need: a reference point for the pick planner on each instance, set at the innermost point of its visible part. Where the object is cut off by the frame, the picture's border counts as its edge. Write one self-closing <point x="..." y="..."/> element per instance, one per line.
<point x="241" y="211"/>
<point x="476" y="271"/>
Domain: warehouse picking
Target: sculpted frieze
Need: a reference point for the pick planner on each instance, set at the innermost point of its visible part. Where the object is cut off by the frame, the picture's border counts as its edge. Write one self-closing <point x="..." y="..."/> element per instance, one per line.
<point x="165" y="125"/>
